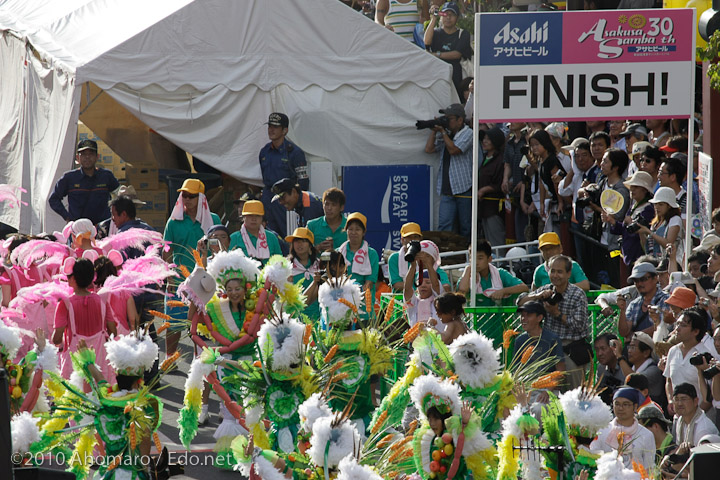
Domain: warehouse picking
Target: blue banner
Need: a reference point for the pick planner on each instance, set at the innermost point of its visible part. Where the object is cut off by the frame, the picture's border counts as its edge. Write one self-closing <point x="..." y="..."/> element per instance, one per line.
<point x="517" y="39"/>
<point x="388" y="197"/>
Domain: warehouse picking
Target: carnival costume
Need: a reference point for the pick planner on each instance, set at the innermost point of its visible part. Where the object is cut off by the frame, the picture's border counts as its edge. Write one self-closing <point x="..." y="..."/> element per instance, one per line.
<point x="122" y="419"/>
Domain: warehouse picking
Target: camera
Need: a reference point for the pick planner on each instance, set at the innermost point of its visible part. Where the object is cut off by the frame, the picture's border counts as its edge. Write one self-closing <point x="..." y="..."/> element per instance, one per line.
<point x="635" y="226"/>
<point x="213" y="242"/>
<point x="555" y="298"/>
<point x="696" y="359"/>
<point x="711" y="372"/>
<point x="705" y="302"/>
<point x="412" y="251"/>
<point x="435" y="122"/>
<point x="675" y="458"/>
<point x="593" y="196"/>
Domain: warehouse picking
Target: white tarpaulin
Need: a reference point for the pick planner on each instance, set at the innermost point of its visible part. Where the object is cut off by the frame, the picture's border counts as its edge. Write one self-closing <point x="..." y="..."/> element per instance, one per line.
<point x="205" y="74"/>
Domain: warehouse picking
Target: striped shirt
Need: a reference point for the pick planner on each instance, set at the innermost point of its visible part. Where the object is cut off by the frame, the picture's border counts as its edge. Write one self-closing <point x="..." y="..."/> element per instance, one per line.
<point x="403" y="17"/>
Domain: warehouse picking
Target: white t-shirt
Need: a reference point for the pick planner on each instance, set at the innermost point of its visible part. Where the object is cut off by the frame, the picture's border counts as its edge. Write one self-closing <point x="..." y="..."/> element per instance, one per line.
<point x="413" y="306"/>
<point x="642" y="448"/>
<point x="703" y="426"/>
<point x="678" y="368"/>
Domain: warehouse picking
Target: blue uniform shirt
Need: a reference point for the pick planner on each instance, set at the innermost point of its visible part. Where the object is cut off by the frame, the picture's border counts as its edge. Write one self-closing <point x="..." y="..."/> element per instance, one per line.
<point x="288" y="161"/>
<point x="88" y="197"/>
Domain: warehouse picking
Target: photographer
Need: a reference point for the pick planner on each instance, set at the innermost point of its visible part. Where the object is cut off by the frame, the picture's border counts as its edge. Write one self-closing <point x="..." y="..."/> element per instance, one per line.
<point x="398" y="266"/>
<point x="637" y="315"/>
<point x="420" y="305"/>
<point x="640" y="214"/>
<point x="689" y="331"/>
<point x="453" y="140"/>
<point x="567" y="316"/>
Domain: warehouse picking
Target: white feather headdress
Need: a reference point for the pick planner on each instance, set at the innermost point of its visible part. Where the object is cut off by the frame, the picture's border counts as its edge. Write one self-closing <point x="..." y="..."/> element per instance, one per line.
<point x="24" y="432"/>
<point x="286" y="337"/>
<point x="329" y="296"/>
<point x="311" y="409"/>
<point x="225" y="266"/>
<point x="349" y="469"/>
<point x="585" y="415"/>
<point x="477" y="363"/>
<point x="277" y="271"/>
<point x="131" y="354"/>
<point x="610" y="467"/>
<point x="429" y="391"/>
<point x="9" y="341"/>
<point x="342" y="438"/>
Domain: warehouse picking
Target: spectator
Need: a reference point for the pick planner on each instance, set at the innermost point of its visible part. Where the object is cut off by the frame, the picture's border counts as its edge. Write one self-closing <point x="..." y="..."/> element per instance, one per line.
<point x="640" y="443"/>
<point x="493" y="283"/>
<point x="305" y="268"/>
<point x="689" y="332"/>
<point x="671" y="175"/>
<point x="279" y="159"/>
<point x="530" y="198"/>
<point x="640" y="359"/>
<point x="449" y="307"/>
<point x="599" y="143"/>
<point x="306" y="205"/>
<point x="420" y="305"/>
<point x="641" y="212"/>
<point x="639" y="382"/>
<point x="398" y="267"/>
<point x="596" y="126"/>
<point x="659" y="132"/>
<point x="615" y="130"/>
<point x="454" y="179"/>
<point x="123" y="213"/>
<point x="675" y="144"/>
<point x="637" y="316"/>
<point x="550" y="246"/>
<point x="556" y="130"/>
<point x="551" y="205"/>
<point x="654" y="420"/>
<point x="544" y="342"/>
<point x="708" y="371"/>
<point x="690" y="423"/>
<point x="329" y="230"/>
<point x="218" y="239"/>
<point x="635" y="153"/>
<point x="609" y="372"/>
<point x="567" y="316"/>
<point x="87" y="188"/>
<point x="650" y="162"/>
<point x="633" y="134"/>
<point x="584" y="171"/>
<point x="490" y="196"/>
<point x="713" y="264"/>
<point x="253" y="238"/>
<point x="401" y="16"/>
<point x="666" y="227"/>
<point x="513" y="174"/>
<point x="448" y="43"/>
<point x="361" y="259"/>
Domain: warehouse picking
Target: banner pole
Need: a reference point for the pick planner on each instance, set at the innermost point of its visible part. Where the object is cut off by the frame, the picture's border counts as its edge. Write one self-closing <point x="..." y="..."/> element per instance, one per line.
<point x="475" y="153"/>
<point x="690" y="178"/>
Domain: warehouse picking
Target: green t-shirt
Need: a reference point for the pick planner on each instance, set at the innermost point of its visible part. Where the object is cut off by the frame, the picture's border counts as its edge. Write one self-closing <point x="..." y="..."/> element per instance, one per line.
<point x="184" y="234"/>
<point x="236" y="241"/>
<point x="507" y="279"/>
<point x="312" y="310"/>
<point x="320" y="230"/>
<point x="541" y="277"/>
<point x="394" y="270"/>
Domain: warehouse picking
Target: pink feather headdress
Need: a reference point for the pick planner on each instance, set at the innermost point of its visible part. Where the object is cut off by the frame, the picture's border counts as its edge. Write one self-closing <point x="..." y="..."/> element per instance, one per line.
<point x="40" y="252"/>
<point x="11" y="194"/>
<point x="50" y="292"/>
<point x="132" y="238"/>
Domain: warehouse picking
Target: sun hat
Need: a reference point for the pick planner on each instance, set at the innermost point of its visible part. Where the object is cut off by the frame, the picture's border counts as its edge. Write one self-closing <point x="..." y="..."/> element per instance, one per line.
<point x="665" y="195"/>
<point x="303" y="233"/>
<point x="640" y="179"/>
<point x="682" y="297"/>
<point x="253" y="207"/>
<point x="410" y="228"/>
<point x="192" y="186"/>
<point x="549" y="238"/>
<point x="358" y="217"/>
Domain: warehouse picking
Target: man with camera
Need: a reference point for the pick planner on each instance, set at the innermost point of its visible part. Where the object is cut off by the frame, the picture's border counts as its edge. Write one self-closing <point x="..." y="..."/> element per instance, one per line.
<point x="550" y="246"/>
<point x="637" y="315"/>
<point x="453" y="140"/>
<point x="399" y="262"/>
<point x="682" y="358"/>
<point x="640" y="359"/>
<point x="306" y="205"/>
<point x="567" y="316"/>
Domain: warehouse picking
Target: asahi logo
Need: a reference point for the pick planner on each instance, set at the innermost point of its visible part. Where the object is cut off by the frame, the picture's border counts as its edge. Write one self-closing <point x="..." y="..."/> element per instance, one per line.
<point x="514" y="36"/>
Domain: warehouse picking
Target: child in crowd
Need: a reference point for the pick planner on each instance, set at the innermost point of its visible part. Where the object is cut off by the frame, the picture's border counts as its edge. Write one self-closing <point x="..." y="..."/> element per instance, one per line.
<point x="83" y="316"/>
<point x="449" y="308"/>
<point x="420" y="305"/>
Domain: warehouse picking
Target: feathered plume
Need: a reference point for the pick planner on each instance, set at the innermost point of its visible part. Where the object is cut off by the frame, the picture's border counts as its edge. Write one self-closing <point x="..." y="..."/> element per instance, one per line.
<point x="131" y="238"/>
<point x="11" y="195"/>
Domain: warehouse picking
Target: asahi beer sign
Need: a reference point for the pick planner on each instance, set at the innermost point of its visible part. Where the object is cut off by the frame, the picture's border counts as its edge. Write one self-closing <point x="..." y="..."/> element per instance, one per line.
<point x="586" y="64"/>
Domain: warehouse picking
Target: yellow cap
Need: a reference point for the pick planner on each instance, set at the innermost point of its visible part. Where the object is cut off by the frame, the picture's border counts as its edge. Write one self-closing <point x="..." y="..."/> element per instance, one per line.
<point x="357" y="216"/>
<point x="253" y="207"/>
<point x="550" y="238"/>
<point x="411" y="228"/>
<point x="193" y="186"/>
<point x="301" y="232"/>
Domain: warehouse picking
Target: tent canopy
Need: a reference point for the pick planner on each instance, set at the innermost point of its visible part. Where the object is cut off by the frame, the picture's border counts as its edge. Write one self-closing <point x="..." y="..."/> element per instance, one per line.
<point x="205" y="74"/>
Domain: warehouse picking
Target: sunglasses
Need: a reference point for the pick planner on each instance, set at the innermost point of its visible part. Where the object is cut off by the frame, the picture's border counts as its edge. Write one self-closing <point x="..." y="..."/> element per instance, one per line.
<point x="190" y="195"/>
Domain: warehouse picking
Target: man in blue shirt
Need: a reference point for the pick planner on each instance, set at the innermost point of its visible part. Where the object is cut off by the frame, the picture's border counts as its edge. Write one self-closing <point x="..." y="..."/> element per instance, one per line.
<point x="280" y="159"/>
<point x="87" y="188"/>
<point x="306" y="205"/>
<point x="454" y="181"/>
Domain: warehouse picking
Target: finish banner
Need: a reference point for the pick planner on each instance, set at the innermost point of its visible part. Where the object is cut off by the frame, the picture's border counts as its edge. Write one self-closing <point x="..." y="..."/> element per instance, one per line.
<point x="585" y="65"/>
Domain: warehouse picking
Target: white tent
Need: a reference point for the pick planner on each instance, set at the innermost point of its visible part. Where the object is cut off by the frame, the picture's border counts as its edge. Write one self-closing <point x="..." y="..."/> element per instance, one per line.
<point x="205" y="74"/>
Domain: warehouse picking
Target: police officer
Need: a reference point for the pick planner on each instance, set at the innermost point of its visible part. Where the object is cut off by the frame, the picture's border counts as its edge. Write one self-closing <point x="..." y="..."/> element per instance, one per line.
<point x="279" y="159"/>
<point x="306" y="205"/>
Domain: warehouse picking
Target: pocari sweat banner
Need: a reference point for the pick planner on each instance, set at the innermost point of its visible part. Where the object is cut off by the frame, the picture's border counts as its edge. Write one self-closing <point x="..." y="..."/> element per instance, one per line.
<point x="388" y="197"/>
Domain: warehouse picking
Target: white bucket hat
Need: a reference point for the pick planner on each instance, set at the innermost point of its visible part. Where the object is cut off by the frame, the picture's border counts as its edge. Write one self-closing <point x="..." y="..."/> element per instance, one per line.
<point x="665" y="195"/>
<point x="641" y="179"/>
